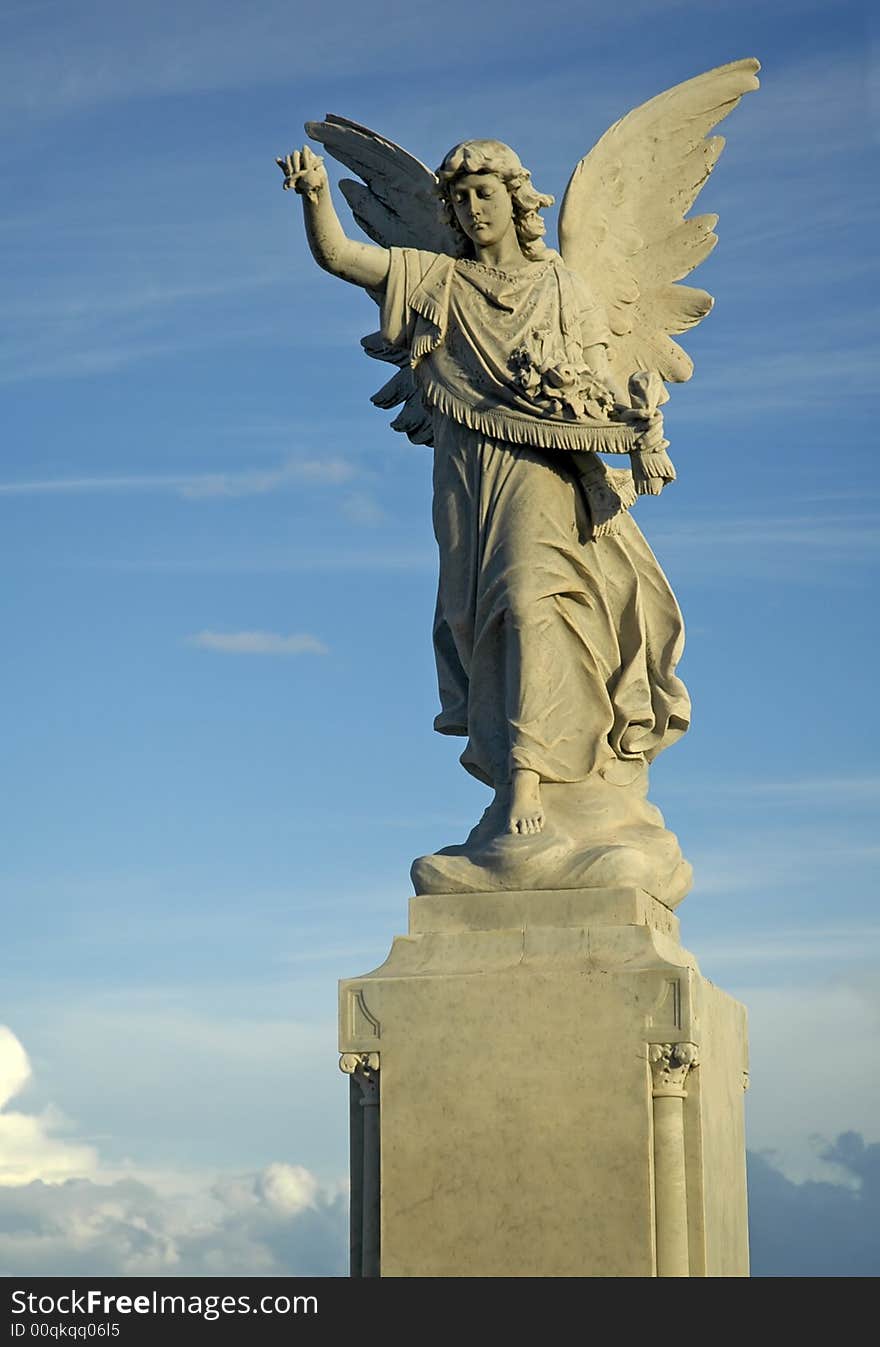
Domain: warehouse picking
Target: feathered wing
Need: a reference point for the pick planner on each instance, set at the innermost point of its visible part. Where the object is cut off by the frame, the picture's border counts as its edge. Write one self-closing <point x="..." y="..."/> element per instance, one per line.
<point x="622" y="222"/>
<point x="396" y="205"/>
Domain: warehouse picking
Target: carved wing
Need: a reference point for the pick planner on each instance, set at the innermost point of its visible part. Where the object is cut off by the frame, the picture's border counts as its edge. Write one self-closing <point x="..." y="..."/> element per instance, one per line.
<point x="397" y="208"/>
<point x="622" y="222"/>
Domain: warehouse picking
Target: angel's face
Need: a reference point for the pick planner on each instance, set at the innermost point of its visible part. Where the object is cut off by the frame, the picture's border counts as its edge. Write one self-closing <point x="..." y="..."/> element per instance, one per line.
<point x="482" y="207"/>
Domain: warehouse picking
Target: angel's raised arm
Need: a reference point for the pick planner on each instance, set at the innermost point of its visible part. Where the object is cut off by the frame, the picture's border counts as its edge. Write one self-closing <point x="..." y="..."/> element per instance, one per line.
<point x="361" y="263"/>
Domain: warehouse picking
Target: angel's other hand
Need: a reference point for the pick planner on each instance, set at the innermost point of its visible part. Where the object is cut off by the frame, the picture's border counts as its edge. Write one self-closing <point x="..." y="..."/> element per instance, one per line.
<point x="304" y="172"/>
<point x="652" y="439"/>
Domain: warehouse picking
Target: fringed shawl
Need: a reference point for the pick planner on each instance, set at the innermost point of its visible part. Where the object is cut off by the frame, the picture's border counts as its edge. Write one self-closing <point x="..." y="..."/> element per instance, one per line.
<point x="480" y="341"/>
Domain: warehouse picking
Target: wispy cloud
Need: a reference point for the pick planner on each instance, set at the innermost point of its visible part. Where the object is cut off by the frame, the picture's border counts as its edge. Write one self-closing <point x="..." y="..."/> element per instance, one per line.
<point x="798" y="380"/>
<point x="810" y="854"/>
<point x="841" y="789"/>
<point x="362" y="508"/>
<point x="258" y="643"/>
<point x="822" y="944"/>
<point x="112" y="55"/>
<point x="96" y="320"/>
<point x="196" y="486"/>
<point x="821" y="533"/>
<point x="837" y="789"/>
<point x="127" y="300"/>
<point x="324" y="472"/>
<point x="410" y="559"/>
<point x="814" y="107"/>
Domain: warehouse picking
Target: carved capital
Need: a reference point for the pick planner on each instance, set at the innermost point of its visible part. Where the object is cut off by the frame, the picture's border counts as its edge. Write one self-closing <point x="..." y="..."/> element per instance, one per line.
<point x="670" y="1064"/>
<point x="364" y="1068"/>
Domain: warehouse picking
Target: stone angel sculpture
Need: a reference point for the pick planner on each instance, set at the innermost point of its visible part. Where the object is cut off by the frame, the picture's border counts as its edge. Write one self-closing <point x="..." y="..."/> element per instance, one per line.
<point x="556" y="633"/>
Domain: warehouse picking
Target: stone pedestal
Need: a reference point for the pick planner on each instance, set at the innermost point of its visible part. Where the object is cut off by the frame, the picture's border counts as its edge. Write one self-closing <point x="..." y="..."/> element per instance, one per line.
<point x="544" y="1085"/>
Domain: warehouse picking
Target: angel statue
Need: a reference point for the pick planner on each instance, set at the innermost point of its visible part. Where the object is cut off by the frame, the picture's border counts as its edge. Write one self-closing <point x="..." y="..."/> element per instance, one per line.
<point x="556" y="633"/>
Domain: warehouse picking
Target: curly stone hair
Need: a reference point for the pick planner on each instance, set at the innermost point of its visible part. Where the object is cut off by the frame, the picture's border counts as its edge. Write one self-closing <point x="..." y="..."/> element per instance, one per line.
<point x="493" y="156"/>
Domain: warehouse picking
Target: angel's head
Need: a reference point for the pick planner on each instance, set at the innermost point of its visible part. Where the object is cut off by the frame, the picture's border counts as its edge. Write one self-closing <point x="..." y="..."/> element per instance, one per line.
<point x="488" y="174"/>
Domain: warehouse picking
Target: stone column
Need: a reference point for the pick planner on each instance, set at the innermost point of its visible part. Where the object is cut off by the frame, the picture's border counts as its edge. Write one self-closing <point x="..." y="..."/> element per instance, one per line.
<point x="670" y="1064"/>
<point x="364" y="1156"/>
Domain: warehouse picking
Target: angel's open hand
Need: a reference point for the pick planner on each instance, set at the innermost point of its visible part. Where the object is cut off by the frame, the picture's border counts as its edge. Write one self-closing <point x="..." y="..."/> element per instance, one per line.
<point x="304" y="171"/>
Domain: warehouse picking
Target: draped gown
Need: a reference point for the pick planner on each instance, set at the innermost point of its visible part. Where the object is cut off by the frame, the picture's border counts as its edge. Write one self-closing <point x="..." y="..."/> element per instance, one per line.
<point x="556" y="640"/>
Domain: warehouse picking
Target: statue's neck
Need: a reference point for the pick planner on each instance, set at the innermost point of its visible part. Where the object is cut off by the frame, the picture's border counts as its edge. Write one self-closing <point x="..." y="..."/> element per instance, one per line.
<point x="506" y="254"/>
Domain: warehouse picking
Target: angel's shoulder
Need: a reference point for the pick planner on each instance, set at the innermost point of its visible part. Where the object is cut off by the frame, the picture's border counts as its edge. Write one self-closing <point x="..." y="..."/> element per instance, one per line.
<point x="424" y="255"/>
<point x="419" y="263"/>
<point x="579" y="287"/>
<point x="411" y="258"/>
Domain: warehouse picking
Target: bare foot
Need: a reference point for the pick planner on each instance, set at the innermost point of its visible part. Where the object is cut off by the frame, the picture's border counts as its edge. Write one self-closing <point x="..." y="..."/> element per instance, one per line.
<point x="525" y="813"/>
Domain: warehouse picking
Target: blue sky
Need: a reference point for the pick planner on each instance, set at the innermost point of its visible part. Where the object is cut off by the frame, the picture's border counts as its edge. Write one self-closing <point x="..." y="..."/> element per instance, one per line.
<point x="205" y="829"/>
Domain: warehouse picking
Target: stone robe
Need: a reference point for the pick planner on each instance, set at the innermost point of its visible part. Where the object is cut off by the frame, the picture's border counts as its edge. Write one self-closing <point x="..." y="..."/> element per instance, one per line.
<point x="556" y="642"/>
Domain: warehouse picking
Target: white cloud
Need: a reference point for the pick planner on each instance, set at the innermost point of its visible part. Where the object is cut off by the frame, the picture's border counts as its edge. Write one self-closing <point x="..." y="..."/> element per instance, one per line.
<point x="258" y="643"/>
<point x="63" y="1213"/>
<point x="289" y="1189"/>
<point x="817" y="1228"/>
<point x="30" y="1150"/>
<point x="212" y="1078"/>
<point x="231" y="1225"/>
<point x="15" y="1069"/>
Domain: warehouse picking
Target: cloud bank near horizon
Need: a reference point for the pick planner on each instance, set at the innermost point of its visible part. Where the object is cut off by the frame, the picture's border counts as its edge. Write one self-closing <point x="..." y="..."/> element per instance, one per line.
<point x="62" y="1215"/>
